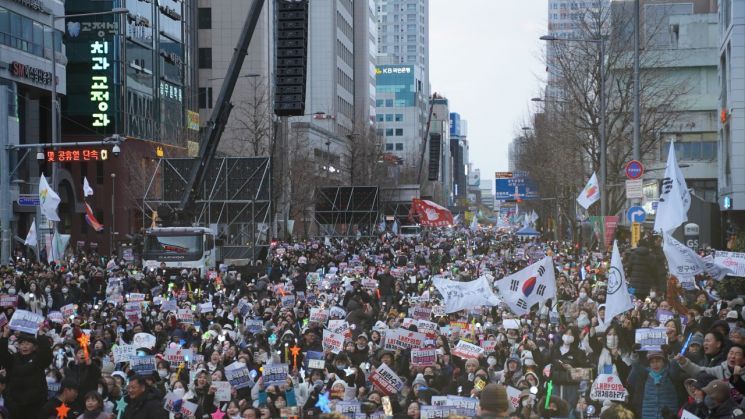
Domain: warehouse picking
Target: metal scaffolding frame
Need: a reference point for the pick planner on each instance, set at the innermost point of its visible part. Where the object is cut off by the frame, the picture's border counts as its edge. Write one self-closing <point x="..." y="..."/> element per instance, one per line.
<point x="235" y="195"/>
<point x="339" y="210"/>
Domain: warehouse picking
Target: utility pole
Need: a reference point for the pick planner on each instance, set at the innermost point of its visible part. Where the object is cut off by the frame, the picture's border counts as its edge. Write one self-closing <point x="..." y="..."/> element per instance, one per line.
<point x="637" y="110"/>
<point x="603" y="139"/>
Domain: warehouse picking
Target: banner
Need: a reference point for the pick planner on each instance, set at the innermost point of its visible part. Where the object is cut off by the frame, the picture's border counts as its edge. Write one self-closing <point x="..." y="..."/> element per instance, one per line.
<point x="386" y="380"/>
<point x="431" y="214"/>
<point x="532" y="285"/>
<point x="464" y="295"/>
<point x="651" y="339"/>
<point x="675" y="199"/>
<point x="403" y="339"/>
<point x="26" y="322"/>
<point x="590" y="194"/>
<point x="617" y="298"/>
<point x="733" y="261"/>
<point x="467" y="350"/>
<point x="608" y="387"/>
<point x="333" y="342"/>
<point x="423" y="357"/>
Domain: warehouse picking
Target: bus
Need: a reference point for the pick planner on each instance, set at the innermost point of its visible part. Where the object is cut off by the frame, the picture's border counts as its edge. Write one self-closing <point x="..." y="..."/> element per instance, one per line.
<point x="180" y="248"/>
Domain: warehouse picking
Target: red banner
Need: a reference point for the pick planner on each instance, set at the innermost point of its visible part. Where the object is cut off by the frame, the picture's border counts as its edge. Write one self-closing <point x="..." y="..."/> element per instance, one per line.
<point x="431" y="214"/>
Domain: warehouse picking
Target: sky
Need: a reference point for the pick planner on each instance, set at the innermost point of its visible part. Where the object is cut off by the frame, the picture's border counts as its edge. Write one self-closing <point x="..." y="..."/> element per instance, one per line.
<point x="486" y="58"/>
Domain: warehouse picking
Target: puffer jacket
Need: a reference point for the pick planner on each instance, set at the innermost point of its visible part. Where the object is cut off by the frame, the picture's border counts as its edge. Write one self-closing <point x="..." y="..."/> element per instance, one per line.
<point x="148" y="406"/>
<point x="27" y="384"/>
<point x="655" y="400"/>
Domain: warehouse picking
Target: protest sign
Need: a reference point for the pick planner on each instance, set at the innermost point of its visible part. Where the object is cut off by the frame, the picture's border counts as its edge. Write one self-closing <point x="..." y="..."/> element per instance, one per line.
<point x="608" y="387"/>
<point x="467" y="350"/>
<point x="348" y="408"/>
<point x="466" y="406"/>
<point x="333" y="342"/>
<point x="314" y="360"/>
<point x="176" y="356"/>
<point x="68" y="310"/>
<point x="436" y="412"/>
<point x="340" y="326"/>
<point x="337" y="313"/>
<point x="123" y="353"/>
<point x="8" y="300"/>
<point x="421" y="313"/>
<point x="26" y="322"/>
<point x="428" y="328"/>
<point x="206" y="307"/>
<point x="403" y="339"/>
<point x="238" y="375"/>
<point x="489" y="345"/>
<point x="319" y="315"/>
<point x="688" y="415"/>
<point x="144" y="340"/>
<point x="288" y="301"/>
<point x="188" y="409"/>
<point x="423" y="357"/>
<point x="56" y="317"/>
<point x="438" y="311"/>
<point x="514" y="395"/>
<point x="275" y="374"/>
<point x="386" y="380"/>
<point x="136" y="297"/>
<point x="172" y="403"/>
<point x="169" y="306"/>
<point x="651" y="339"/>
<point x="222" y="393"/>
<point x="185" y="315"/>
<point x="142" y="365"/>
<point x="254" y="325"/>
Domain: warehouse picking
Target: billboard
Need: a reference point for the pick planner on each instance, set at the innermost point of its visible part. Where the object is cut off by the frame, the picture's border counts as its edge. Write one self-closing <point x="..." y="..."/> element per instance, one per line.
<point x="518" y="186"/>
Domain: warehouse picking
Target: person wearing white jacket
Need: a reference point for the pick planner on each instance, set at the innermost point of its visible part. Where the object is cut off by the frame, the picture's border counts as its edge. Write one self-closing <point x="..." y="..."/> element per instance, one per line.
<point x="34" y="299"/>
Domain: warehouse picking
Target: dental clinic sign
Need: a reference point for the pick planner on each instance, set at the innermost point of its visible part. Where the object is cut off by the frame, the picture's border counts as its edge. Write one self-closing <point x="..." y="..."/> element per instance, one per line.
<point x="99" y="86"/>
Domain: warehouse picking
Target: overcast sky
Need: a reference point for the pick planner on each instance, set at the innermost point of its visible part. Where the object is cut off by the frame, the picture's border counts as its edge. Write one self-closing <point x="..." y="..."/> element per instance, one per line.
<point x="485" y="57"/>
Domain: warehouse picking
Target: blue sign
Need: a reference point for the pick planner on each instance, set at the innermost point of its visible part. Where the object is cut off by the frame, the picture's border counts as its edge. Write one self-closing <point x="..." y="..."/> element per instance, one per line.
<point x="517" y="187"/>
<point x="636" y="215"/>
<point x="27" y="201"/>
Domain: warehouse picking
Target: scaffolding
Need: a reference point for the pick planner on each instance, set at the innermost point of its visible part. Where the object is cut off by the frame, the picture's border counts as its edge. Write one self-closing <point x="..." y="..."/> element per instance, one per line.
<point x="235" y="199"/>
<point x="346" y="211"/>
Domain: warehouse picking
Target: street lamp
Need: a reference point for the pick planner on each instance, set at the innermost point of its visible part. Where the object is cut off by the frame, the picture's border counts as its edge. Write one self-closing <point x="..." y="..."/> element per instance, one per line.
<point x="603" y="146"/>
<point x="55" y="102"/>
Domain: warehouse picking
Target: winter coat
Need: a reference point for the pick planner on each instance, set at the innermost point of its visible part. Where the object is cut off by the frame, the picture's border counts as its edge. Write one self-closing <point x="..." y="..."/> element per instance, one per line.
<point x="27" y="385"/>
<point x="642" y="272"/>
<point x="148" y="406"/>
<point x="651" y="400"/>
<point x="87" y="377"/>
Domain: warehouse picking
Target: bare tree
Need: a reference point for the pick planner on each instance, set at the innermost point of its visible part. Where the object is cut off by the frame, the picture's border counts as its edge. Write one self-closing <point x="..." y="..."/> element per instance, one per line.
<point x="251" y="126"/>
<point x="364" y="155"/>
<point x="572" y="125"/>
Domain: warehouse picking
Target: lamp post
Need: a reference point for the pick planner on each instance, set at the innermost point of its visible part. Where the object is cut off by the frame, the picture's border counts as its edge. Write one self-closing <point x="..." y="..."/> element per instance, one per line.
<point x="112" y="229"/>
<point x="55" y="102"/>
<point x="603" y="146"/>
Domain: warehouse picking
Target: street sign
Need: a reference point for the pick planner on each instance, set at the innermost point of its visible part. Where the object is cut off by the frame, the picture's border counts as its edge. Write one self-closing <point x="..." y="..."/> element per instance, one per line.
<point x="636" y="215"/>
<point x="28" y="200"/>
<point x="634" y="189"/>
<point x="636" y="234"/>
<point x="634" y="169"/>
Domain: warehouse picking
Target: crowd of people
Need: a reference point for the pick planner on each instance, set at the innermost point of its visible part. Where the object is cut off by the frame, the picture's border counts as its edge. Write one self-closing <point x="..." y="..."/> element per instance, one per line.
<point x="356" y="328"/>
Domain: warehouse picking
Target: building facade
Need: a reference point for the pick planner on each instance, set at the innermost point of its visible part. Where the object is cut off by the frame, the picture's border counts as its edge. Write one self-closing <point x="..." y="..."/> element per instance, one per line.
<point x="459" y="151"/>
<point x="732" y="112"/>
<point x="29" y="36"/>
<point x="134" y="75"/>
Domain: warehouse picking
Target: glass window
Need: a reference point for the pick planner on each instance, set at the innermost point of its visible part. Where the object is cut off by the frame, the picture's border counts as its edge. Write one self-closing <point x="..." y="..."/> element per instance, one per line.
<point x="399" y="146"/>
<point x="389" y="103"/>
<point x="399" y="117"/>
<point x="379" y="103"/>
<point x="389" y="147"/>
<point x="399" y="132"/>
<point x="389" y="132"/>
<point x="205" y="57"/>
<point x="389" y="117"/>
<point x="205" y="98"/>
<point x="205" y="17"/>
<point x="379" y="117"/>
<point x="4" y="26"/>
<point x="38" y="45"/>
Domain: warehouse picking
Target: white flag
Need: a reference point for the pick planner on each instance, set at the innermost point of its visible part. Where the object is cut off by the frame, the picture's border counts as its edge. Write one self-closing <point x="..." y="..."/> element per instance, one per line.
<point x="48" y="200"/>
<point x="464" y="295"/>
<point x="56" y="246"/>
<point x="87" y="190"/>
<point x="675" y="199"/>
<point x="682" y="261"/>
<point x="474" y="223"/>
<point x="532" y="285"/>
<point x="590" y="194"/>
<point x="31" y="236"/>
<point x="533" y="217"/>
<point x="394" y="227"/>
<point x="617" y="298"/>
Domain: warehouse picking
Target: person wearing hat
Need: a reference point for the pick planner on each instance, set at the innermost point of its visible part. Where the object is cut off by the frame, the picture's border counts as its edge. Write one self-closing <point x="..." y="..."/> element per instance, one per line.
<point x="361" y="351"/>
<point x="655" y="391"/>
<point x="695" y="351"/>
<point x="694" y="388"/>
<point x="719" y="402"/>
<point x="494" y="402"/>
<point x="27" y="385"/>
<point x="66" y="395"/>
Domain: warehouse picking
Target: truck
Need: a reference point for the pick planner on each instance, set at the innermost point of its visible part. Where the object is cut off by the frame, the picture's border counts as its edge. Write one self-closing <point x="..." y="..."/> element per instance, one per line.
<point x="178" y="248"/>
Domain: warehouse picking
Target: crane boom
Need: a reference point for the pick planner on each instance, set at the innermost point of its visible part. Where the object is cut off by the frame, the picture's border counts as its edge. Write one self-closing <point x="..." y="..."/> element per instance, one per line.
<point x="221" y="112"/>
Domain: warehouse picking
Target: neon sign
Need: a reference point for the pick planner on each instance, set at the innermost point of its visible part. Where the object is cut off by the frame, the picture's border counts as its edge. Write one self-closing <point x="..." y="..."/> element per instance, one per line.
<point x="76" y="155"/>
<point x="99" y="91"/>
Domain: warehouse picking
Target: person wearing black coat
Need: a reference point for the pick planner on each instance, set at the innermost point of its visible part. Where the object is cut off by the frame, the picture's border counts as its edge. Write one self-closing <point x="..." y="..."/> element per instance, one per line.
<point x="27" y="385"/>
<point x="642" y="270"/>
<point x="86" y="374"/>
<point x="142" y="401"/>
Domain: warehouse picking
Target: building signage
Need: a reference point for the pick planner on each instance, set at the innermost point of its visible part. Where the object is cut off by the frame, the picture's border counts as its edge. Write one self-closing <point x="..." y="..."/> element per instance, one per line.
<point x="32" y="4"/>
<point x="76" y="155"/>
<point x="33" y="74"/>
<point x="101" y="29"/>
<point x="192" y="120"/>
<point x="393" y="70"/>
<point x="99" y="90"/>
<point x="169" y="91"/>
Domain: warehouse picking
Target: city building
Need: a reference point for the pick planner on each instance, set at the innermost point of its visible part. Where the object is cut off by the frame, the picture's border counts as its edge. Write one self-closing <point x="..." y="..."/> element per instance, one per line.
<point x="731" y="156"/>
<point x="459" y="151"/>
<point x="486" y="186"/>
<point x="134" y="75"/>
<point x="439" y="167"/>
<point x="29" y="36"/>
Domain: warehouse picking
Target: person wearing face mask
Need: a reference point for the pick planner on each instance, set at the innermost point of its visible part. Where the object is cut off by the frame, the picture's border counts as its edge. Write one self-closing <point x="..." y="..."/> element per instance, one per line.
<point x="694" y="388"/>
<point x="719" y="402"/>
<point x="361" y="352"/>
<point x="564" y="357"/>
<point x="611" y="359"/>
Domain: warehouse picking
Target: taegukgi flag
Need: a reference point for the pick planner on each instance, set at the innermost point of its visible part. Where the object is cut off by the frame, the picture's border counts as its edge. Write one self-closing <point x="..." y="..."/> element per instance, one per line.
<point x="590" y="194"/>
<point x="675" y="198"/>
<point x="532" y="285"/>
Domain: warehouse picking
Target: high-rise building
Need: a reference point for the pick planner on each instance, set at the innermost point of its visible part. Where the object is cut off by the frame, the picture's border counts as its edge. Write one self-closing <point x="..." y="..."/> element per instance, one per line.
<point x="132" y="75"/>
<point x="459" y="151"/>
<point x="403" y="34"/>
<point x="732" y="112"/>
<point x="29" y="35"/>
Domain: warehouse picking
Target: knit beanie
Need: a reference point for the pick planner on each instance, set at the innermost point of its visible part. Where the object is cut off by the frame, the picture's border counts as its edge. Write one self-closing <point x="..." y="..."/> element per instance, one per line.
<point x="494" y="398"/>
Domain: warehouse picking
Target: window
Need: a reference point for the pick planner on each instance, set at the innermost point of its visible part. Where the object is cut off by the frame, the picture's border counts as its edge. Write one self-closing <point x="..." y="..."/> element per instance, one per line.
<point x="700" y="150"/>
<point x="205" y="98"/>
<point x="389" y="103"/>
<point x="389" y="132"/>
<point x="388" y="146"/>
<point x="389" y="117"/>
<point x="379" y="117"/>
<point x="399" y="117"/>
<point x="205" y="57"/>
<point x="399" y="132"/>
<point x="399" y="146"/>
<point x="205" y="18"/>
<point x="380" y="132"/>
<point x="379" y="103"/>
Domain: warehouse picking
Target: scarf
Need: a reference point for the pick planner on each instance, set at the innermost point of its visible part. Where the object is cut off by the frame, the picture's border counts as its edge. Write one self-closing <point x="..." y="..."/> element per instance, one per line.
<point x="91" y="415"/>
<point x="656" y="375"/>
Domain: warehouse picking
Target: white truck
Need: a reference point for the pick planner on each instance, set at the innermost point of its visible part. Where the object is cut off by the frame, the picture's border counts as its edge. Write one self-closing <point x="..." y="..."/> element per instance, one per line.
<point x="179" y="248"/>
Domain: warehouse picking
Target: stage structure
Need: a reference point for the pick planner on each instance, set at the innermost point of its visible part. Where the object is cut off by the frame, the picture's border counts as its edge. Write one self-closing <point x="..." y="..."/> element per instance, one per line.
<point x="346" y="211"/>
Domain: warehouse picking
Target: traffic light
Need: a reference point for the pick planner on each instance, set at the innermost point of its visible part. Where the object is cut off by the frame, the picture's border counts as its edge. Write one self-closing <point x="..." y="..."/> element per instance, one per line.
<point x="291" y="57"/>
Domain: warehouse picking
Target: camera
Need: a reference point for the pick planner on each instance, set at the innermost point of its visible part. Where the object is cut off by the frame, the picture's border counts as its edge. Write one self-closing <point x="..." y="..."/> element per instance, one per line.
<point x="116" y="150"/>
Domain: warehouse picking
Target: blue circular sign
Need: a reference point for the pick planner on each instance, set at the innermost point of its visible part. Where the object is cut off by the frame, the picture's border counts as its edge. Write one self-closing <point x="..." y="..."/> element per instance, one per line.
<point x="636" y="215"/>
<point x="634" y="169"/>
